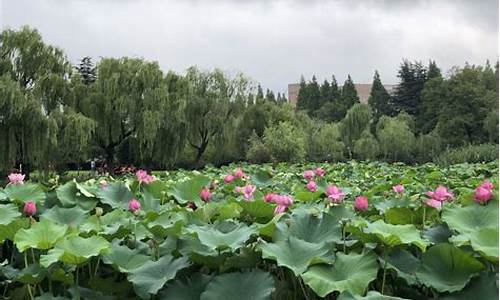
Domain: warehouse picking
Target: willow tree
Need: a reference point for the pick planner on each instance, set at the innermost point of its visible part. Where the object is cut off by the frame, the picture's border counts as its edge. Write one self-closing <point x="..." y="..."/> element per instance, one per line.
<point x="208" y="106"/>
<point x="355" y="122"/>
<point x="33" y="99"/>
<point x="132" y="102"/>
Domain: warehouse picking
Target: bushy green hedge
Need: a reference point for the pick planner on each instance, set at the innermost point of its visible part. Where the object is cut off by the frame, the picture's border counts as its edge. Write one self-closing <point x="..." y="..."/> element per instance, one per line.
<point x="471" y="154"/>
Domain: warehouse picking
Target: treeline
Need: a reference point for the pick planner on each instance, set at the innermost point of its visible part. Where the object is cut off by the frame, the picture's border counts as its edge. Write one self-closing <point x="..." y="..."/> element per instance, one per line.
<point x="127" y="111"/>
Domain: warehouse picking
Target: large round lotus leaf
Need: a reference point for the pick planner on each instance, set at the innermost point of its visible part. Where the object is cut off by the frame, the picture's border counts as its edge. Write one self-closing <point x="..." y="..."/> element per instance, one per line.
<point x="469" y="219"/>
<point x="393" y="235"/>
<point x="188" y="289"/>
<point x="253" y="285"/>
<point x="116" y="195"/>
<point x="152" y="275"/>
<point x="223" y="235"/>
<point x="189" y="190"/>
<point x="8" y="213"/>
<point x="351" y="273"/>
<point x="25" y="192"/>
<point x="41" y="235"/>
<point x="75" y="250"/>
<point x="371" y="295"/>
<point x="383" y="206"/>
<point x="124" y="258"/>
<point x="483" y="287"/>
<point x="447" y="268"/>
<point x="33" y="274"/>
<point x="300" y="193"/>
<point x="72" y="193"/>
<point x="402" y="216"/>
<point x="297" y="254"/>
<point x="485" y="241"/>
<point x="72" y="217"/>
<point x="312" y="229"/>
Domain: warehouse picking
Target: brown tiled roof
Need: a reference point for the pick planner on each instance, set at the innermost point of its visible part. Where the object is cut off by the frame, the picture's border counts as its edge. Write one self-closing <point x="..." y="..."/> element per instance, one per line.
<point x="363" y="90"/>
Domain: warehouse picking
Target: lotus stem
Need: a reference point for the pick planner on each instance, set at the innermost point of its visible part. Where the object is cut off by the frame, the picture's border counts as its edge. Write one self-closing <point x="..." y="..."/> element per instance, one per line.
<point x="385" y="269"/>
<point x="27" y="285"/>
<point x="423" y="218"/>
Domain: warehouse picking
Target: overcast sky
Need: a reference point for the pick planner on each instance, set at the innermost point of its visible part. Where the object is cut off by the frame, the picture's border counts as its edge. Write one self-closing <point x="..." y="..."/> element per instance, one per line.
<point x="273" y="42"/>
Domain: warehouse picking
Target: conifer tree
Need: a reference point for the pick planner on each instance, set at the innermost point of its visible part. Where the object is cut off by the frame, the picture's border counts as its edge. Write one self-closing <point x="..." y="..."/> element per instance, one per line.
<point x="379" y="100"/>
<point x="87" y="70"/>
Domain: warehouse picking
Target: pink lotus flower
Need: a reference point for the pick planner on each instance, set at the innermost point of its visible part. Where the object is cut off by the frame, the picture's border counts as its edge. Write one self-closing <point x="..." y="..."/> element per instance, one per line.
<point x="309" y="175"/>
<point x="29" y="208"/>
<point x="228" y="178"/>
<point x="334" y="194"/>
<point x="487" y="185"/>
<point x="482" y="195"/>
<point x="134" y="206"/>
<point x="16" y="178"/>
<point x="312" y="186"/>
<point x="361" y="203"/>
<point x="434" y="203"/>
<point x="320" y="172"/>
<point x="282" y="203"/>
<point x="269" y="197"/>
<point x="398" y="189"/>
<point x="248" y="191"/>
<point x="205" y="195"/>
<point x="440" y="194"/>
<point x="144" y="177"/>
<point x="238" y="173"/>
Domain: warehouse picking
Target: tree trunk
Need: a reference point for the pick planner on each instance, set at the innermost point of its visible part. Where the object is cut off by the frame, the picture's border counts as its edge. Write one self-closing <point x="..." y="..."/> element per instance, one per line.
<point x="110" y="155"/>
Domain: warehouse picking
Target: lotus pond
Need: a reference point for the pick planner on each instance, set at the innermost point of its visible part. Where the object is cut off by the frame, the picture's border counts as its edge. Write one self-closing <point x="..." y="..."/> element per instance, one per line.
<point x="315" y="231"/>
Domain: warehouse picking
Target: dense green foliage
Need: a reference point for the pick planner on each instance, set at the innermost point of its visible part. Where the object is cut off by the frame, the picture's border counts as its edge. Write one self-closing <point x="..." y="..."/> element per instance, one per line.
<point x="86" y="241"/>
<point x="127" y="111"/>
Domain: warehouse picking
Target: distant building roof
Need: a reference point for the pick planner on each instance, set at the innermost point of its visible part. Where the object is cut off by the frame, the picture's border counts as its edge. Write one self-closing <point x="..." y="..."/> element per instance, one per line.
<point x="363" y="90"/>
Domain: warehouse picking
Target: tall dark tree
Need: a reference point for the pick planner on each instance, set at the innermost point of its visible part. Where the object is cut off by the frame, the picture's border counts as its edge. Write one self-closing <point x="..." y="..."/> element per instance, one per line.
<point x="413" y="77"/>
<point x="348" y="97"/>
<point x="87" y="70"/>
<point x="334" y="90"/>
<point x="433" y="71"/>
<point x="270" y="96"/>
<point x="303" y="95"/>
<point x="379" y="99"/>
<point x="259" y="98"/>
<point x="325" y="93"/>
<point x="314" y="96"/>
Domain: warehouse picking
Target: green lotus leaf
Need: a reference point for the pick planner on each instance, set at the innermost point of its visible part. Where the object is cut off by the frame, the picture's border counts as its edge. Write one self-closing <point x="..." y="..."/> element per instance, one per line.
<point x="116" y="195"/>
<point x="312" y="229"/>
<point x="73" y="194"/>
<point x="7" y="232"/>
<point x="402" y="216"/>
<point x="229" y="210"/>
<point x="75" y="250"/>
<point x="41" y="235"/>
<point x="482" y="287"/>
<point x="223" y="234"/>
<point x="393" y="235"/>
<point x="124" y="258"/>
<point x="261" y="178"/>
<point x="297" y="254"/>
<point x="404" y="263"/>
<point x="187" y="289"/>
<point x="385" y="205"/>
<point x="72" y="217"/>
<point x="258" y="209"/>
<point x="446" y="268"/>
<point x="352" y="272"/>
<point x="253" y="285"/>
<point x="152" y="275"/>
<point x="438" y="234"/>
<point x="371" y="295"/>
<point x="168" y="223"/>
<point x="469" y="219"/>
<point x="8" y="213"/>
<point x="485" y="241"/>
<point x="25" y="192"/>
<point x="189" y="190"/>
<point x="300" y="193"/>
<point x="149" y="202"/>
<point x="268" y="228"/>
<point x="33" y="274"/>
<point x="49" y="296"/>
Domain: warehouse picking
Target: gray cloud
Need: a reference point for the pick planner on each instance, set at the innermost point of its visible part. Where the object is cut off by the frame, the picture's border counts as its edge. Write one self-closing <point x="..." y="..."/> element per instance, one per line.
<point x="273" y="42"/>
